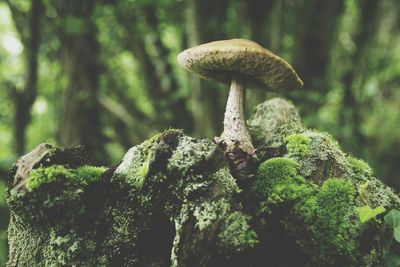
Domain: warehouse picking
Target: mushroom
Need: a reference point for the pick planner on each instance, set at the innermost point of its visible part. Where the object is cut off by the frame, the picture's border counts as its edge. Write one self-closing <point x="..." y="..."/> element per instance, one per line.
<point x="239" y="62"/>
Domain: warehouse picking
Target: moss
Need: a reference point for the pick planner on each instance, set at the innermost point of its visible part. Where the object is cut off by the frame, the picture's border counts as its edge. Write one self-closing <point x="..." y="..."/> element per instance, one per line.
<point x="326" y="212"/>
<point x="303" y="208"/>
<point x="144" y="169"/>
<point x="172" y="201"/>
<point x="174" y="178"/>
<point x="289" y="191"/>
<point x="137" y="158"/>
<point x="329" y="214"/>
<point x="272" y="172"/>
<point x="54" y="193"/>
<point x="26" y="243"/>
<point x="278" y="182"/>
<point x="298" y="145"/>
<point x="83" y="175"/>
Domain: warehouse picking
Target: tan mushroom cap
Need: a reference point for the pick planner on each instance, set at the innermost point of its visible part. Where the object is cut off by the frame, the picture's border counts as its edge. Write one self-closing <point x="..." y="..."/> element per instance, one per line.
<point x="222" y="60"/>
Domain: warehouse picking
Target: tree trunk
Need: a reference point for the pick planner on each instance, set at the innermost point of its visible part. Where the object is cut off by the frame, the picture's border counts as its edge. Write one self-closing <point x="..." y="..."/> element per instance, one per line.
<point x="24" y="99"/>
<point x="315" y="31"/>
<point x="204" y="20"/>
<point x="354" y="77"/>
<point x="80" y="121"/>
<point x="153" y="56"/>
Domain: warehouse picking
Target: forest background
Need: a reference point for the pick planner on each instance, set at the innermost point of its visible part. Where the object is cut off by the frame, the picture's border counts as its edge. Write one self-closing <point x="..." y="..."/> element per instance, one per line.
<point x="103" y="73"/>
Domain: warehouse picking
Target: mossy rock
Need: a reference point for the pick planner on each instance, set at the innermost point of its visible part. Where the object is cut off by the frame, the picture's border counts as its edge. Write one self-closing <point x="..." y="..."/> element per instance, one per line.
<point x="172" y="201"/>
<point x="311" y="191"/>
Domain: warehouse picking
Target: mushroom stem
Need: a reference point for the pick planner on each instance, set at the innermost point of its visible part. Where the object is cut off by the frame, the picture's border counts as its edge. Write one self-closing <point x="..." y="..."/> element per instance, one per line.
<point x="235" y="128"/>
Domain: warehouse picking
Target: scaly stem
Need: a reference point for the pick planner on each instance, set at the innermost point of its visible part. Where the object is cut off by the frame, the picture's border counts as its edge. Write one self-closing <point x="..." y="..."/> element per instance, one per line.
<point x="235" y="128"/>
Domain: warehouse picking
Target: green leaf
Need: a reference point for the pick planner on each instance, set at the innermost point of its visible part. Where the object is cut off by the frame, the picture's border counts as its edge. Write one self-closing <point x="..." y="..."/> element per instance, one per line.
<point x="392" y="260"/>
<point x="366" y="213"/>
<point x="393" y="218"/>
<point x="396" y="233"/>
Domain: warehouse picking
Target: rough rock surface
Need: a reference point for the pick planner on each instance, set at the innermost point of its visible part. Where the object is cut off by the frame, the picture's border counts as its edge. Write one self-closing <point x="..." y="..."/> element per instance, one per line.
<point x="173" y="202"/>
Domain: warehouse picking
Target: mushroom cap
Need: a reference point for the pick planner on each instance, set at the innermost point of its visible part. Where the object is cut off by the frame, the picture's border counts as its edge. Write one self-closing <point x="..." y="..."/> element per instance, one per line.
<point x="222" y="60"/>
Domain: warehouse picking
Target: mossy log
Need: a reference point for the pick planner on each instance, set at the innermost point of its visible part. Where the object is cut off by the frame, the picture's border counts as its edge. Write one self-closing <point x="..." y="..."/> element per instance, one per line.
<point x="172" y="201"/>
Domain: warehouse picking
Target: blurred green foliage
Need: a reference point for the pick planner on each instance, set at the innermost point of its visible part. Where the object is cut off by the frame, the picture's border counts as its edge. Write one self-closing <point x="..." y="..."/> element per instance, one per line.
<point x="103" y="73"/>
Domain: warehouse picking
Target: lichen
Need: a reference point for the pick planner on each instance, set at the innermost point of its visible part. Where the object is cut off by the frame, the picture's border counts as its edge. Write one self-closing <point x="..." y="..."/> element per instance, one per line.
<point x="172" y="201"/>
<point x="63" y="249"/>
<point x="371" y="191"/>
<point x="324" y="158"/>
<point x="191" y="153"/>
<point x="360" y="167"/>
<point x="236" y="234"/>
<point x="206" y="213"/>
<point x="168" y="180"/>
<point x="272" y="122"/>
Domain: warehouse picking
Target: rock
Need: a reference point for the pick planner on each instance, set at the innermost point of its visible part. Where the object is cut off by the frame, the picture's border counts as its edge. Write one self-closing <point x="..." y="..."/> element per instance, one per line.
<point x="309" y="194"/>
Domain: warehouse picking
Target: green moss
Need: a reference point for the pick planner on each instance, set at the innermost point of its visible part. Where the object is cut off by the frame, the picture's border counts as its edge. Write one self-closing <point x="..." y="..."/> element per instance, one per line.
<point x="135" y="164"/>
<point x="46" y="176"/>
<point x="327" y="211"/>
<point x="271" y="172"/>
<point x="87" y="174"/>
<point x="293" y="190"/>
<point x="330" y="215"/>
<point x="172" y="201"/>
<point x="371" y="191"/>
<point x="139" y="160"/>
<point x="278" y="182"/>
<point x="83" y="175"/>
<point x="298" y="145"/>
<point x="55" y="193"/>
<point x="144" y="169"/>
